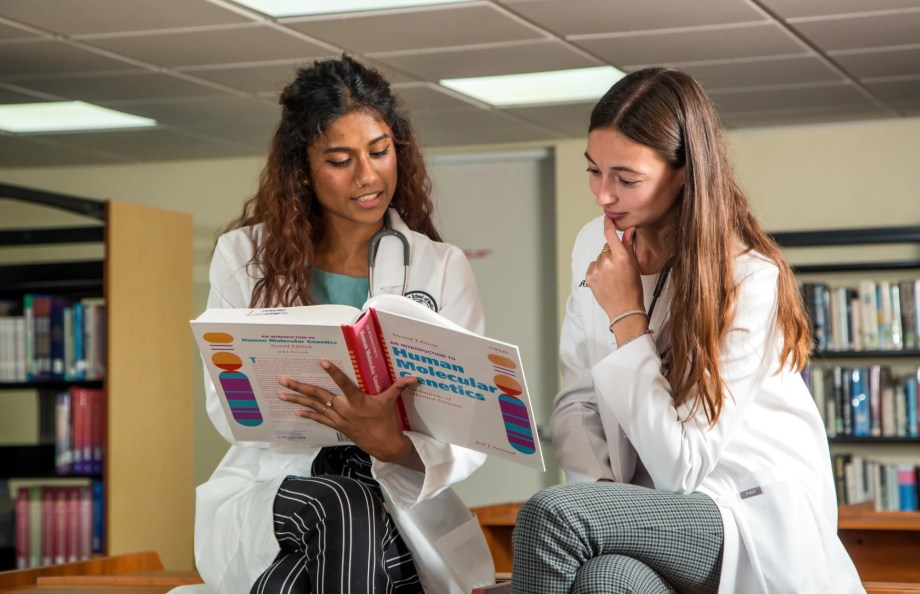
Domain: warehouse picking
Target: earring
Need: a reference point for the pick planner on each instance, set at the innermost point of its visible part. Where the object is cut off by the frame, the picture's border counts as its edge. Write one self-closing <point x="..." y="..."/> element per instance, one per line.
<point x="359" y="184"/>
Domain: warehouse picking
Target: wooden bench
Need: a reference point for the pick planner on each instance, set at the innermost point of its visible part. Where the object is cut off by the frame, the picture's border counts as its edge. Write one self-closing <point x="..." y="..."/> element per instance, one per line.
<point x="884" y="546"/>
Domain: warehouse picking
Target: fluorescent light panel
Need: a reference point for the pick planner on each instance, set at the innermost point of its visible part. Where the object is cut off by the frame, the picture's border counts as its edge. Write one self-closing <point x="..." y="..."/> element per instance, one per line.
<point x="65" y="116"/>
<point x="289" y="8"/>
<point x="558" y="86"/>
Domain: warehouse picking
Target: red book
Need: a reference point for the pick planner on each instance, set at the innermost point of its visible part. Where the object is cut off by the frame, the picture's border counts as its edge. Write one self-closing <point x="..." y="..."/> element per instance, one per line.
<point x="60" y="525"/>
<point x="47" y="526"/>
<point x="22" y="528"/>
<point x="73" y="524"/>
<point x="82" y="428"/>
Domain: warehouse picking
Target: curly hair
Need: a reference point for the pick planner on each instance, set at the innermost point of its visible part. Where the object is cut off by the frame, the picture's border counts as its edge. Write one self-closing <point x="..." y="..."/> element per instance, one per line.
<point x="668" y="111"/>
<point x="285" y="203"/>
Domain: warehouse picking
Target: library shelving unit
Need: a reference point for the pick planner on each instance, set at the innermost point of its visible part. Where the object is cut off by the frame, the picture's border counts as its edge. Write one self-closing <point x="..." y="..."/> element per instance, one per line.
<point x="145" y="277"/>
<point x="883" y="544"/>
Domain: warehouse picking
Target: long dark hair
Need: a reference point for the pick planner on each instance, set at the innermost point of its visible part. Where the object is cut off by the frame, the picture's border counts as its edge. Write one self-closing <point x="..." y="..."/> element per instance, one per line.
<point x="285" y="203"/>
<point x="668" y="111"/>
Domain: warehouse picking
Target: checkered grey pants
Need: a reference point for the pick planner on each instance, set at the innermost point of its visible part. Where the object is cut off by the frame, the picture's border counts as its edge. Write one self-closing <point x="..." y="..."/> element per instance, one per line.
<point x="613" y="538"/>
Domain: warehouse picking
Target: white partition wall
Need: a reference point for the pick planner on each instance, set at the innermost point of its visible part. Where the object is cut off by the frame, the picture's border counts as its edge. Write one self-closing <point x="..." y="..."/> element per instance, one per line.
<point x="498" y="207"/>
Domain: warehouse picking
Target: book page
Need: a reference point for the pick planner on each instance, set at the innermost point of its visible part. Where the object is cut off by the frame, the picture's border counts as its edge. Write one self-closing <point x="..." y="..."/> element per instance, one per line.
<point x="471" y="390"/>
<point x="246" y="351"/>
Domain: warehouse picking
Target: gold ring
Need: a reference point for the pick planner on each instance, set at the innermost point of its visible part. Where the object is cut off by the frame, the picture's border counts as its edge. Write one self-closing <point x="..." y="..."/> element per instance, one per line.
<point x="605" y="249"/>
<point x="329" y="404"/>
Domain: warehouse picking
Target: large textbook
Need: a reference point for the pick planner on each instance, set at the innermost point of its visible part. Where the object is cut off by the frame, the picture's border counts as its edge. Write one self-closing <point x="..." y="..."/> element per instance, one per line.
<point x="471" y="389"/>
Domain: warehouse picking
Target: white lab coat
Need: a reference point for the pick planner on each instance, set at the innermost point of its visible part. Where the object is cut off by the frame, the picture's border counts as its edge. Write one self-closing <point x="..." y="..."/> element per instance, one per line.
<point x="614" y="418"/>
<point x="234" y="536"/>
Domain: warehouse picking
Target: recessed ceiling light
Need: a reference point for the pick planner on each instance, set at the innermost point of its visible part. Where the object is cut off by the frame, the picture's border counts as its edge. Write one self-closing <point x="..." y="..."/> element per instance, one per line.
<point x="289" y="8"/>
<point x="558" y="86"/>
<point x="65" y="116"/>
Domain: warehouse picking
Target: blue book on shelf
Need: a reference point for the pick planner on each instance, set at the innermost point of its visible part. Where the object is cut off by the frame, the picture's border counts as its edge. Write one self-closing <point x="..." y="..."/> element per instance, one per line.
<point x="79" y="353"/>
<point x="98" y="528"/>
<point x="859" y="398"/>
<point x="907" y="488"/>
<point x="910" y="393"/>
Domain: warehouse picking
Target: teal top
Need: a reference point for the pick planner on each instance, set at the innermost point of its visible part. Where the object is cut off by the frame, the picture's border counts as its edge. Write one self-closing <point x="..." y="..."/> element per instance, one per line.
<point x="329" y="287"/>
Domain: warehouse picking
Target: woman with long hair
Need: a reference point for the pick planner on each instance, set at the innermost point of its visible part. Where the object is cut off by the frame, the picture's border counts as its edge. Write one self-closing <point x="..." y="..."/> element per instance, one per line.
<point x="378" y="515"/>
<point x="696" y="457"/>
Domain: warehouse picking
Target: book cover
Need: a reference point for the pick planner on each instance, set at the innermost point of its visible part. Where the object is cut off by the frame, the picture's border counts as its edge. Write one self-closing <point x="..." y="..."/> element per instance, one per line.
<point x="471" y="391"/>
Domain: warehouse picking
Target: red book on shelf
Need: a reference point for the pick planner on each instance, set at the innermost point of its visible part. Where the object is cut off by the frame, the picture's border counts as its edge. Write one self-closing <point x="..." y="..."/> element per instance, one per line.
<point x="47" y="525"/>
<point x="60" y="525"/>
<point x="86" y="523"/>
<point x="73" y="524"/>
<point x="22" y="528"/>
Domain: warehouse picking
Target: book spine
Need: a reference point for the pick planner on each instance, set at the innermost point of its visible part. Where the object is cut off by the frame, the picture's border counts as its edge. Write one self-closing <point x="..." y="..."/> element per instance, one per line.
<point x="73" y="524"/>
<point x="387" y="363"/>
<point x="63" y="436"/>
<point x="94" y="510"/>
<point x="23" y="550"/>
<point x="60" y="525"/>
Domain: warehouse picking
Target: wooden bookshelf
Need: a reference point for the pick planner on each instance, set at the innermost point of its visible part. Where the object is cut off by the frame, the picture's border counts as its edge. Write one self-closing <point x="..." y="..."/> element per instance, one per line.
<point x="145" y="276"/>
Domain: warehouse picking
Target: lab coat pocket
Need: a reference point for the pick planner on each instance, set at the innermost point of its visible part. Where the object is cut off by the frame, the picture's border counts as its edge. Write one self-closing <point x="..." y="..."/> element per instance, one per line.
<point x="783" y="537"/>
<point x="463" y="549"/>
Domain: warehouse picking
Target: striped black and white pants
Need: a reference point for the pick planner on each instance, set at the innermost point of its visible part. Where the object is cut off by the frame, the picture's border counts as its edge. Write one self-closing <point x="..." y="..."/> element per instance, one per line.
<point x="612" y="538"/>
<point x="335" y="535"/>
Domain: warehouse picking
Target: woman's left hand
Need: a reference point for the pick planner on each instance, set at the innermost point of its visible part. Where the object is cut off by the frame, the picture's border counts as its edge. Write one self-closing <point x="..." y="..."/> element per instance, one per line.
<point x="370" y="421"/>
<point x="614" y="276"/>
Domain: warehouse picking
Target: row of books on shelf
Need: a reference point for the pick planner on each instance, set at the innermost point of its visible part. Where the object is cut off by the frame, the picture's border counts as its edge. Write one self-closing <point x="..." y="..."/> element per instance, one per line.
<point x="865" y="401"/>
<point x="58" y="524"/>
<point x="876" y="315"/>
<point x="48" y="337"/>
<point x="891" y="486"/>
<point x="79" y="441"/>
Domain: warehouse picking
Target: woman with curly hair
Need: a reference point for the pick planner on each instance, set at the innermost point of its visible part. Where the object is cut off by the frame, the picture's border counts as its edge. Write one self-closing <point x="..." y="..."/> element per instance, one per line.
<point x="378" y="515"/>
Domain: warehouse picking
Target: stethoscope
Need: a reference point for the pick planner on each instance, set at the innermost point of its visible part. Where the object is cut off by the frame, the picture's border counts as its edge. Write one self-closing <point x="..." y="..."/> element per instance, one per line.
<point x="387" y="231"/>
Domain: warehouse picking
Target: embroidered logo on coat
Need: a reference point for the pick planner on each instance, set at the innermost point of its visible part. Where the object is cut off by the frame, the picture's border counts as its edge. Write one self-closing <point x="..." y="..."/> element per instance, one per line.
<point x="423" y="298"/>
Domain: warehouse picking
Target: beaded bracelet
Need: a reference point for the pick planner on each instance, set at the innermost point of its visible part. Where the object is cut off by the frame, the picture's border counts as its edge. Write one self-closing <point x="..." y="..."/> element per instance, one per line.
<point x="629" y="340"/>
<point x="626" y="314"/>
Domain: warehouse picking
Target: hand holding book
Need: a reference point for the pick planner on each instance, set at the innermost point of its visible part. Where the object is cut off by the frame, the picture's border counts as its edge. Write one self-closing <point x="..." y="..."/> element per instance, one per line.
<point x="372" y="422"/>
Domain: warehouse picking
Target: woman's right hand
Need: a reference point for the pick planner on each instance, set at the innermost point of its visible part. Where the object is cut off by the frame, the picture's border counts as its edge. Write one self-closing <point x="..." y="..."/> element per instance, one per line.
<point x="370" y="421"/>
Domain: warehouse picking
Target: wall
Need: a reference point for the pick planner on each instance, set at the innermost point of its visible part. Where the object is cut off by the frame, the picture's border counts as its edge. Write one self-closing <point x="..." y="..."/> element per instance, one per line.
<point x="798" y="177"/>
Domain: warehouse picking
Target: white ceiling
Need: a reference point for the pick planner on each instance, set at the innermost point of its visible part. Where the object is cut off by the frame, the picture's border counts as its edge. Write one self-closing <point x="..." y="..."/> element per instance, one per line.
<point x="210" y="71"/>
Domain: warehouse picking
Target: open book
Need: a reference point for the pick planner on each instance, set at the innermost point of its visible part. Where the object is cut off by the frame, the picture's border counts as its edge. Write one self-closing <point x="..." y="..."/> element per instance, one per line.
<point x="471" y="390"/>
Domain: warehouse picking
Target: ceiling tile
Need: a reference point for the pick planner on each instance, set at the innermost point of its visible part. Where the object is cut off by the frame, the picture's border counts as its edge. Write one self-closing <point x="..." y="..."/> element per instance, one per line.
<point x="894" y="62"/>
<point x="898" y="94"/>
<point x="536" y="56"/>
<point x="865" y="31"/>
<point x="484" y="136"/>
<point x="814" y="115"/>
<point x="414" y="30"/>
<point x="151" y="145"/>
<point x="571" y="118"/>
<point x="8" y="32"/>
<point x="462" y="119"/>
<point x="8" y="96"/>
<point x="692" y="46"/>
<point x="797" y="8"/>
<point x="224" y="46"/>
<point x="67" y="17"/>
<point x="101" y="88"/>
<point x="830" y="96"/>
<point x="17" y="151"/>
<point x="252" y="79"/>
<point x="575" y="17"/>
<point x="421" y="98"/>
<point x="205" y="112"/>
<point x="256" y="134"/>
<point x="757" y="73"/>
<point x="46" y="57"/>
